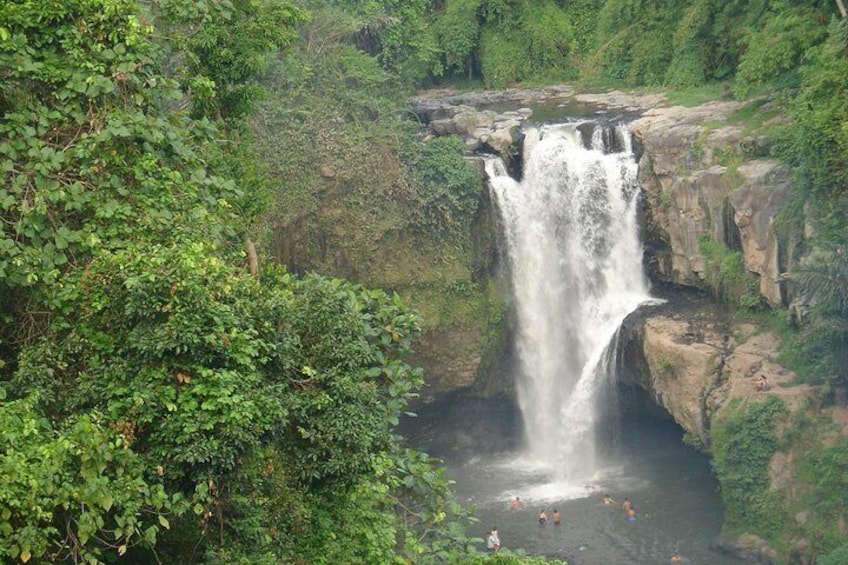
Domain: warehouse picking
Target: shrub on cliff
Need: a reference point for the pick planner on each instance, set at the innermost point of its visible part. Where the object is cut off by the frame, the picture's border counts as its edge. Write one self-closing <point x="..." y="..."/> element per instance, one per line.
<point x="743" y="442"/>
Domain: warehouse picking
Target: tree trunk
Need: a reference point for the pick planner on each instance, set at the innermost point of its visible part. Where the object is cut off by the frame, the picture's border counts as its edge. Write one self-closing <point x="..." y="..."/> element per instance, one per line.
<point x="252" y="257"/>
<point x="842" y="10"/>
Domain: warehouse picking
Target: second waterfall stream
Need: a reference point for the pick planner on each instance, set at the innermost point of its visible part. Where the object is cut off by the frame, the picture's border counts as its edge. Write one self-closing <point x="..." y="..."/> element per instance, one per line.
<point x="571" y="236"/>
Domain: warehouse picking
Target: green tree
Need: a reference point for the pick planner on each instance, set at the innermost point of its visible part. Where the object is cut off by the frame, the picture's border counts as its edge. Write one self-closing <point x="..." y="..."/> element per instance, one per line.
<point x="457" y="28"/>
<point x="536" y="41"/>
<point x="835" y="557"/>
<point x="73" y="494"/>
<point x="819" y="142"/>
<point x="817" y="146"/>
<point x="395" y="32"/>
<point x="89" y="157"/>
<point x="225" y="385"/>
<point x="227" y="45"/>
<point x="447" y="189"/>
<point x="822" y="284"/>
<point x="774" y="50"/>
<point x="620" y="55"/>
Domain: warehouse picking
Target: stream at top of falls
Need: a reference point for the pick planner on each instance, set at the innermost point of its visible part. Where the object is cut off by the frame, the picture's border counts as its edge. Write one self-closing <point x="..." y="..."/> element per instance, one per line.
<point x="573" y="267"/>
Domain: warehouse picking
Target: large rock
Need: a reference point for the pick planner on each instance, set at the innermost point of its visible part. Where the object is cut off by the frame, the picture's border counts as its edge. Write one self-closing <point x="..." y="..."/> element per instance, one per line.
<point x="698" y="365"/>
<point x="693" y="360"/>
<point x="706" y="181"/>
<point x="483" y="131"/>
<point x="762" y="195"/>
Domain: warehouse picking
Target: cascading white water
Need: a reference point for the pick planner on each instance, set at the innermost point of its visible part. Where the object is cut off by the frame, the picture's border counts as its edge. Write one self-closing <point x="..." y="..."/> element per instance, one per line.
<point x="575" y="258"/>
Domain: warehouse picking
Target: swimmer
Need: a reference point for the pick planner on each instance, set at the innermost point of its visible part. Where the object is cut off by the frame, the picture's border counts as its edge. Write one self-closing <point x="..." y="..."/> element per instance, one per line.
<point x="675" y="558"/>
<point x="516" y="504"/>
<point x="557" y="516"/>
<point x="631" y="515"/>
<point x="626" y="505"/>
<point x="543" y="518"/>
<point x="608" y="501"/>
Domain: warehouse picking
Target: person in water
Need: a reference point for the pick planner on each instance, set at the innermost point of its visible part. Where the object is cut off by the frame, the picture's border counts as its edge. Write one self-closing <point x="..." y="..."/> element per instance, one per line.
<point x="543" y="517"/>
<point x="516" y="504"/>
<point x="631" y="515"/>
<point x="608" y="501"/>
<point x="626" y="505"/>
<point x="675" y="558"/>
<point x="557" y="516"/>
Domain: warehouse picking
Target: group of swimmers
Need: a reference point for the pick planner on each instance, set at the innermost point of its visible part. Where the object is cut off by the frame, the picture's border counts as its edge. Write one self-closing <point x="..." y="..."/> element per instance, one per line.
<point x="627" y="506"/>
<point x="630" y="512"/>
<point x="543" y="515"/>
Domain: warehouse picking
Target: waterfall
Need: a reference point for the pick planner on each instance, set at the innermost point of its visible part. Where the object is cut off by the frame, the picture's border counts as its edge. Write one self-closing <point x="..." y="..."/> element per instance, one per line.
<point x="575" y="259"/>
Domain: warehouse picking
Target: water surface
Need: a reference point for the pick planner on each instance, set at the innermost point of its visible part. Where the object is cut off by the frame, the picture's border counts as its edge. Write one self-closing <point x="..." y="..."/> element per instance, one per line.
<point x="643" y="458"/>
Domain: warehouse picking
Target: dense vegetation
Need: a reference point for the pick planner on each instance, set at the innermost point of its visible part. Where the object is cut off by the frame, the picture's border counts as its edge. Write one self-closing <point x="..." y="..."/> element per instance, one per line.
<point x="745" y="441"/>
<point x="163" y="400"/>
<point x="158" y="401"/>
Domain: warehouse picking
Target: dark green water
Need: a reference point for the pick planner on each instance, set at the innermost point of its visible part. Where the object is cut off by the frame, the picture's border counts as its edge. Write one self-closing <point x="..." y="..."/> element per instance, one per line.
<point x="671" y="487"/>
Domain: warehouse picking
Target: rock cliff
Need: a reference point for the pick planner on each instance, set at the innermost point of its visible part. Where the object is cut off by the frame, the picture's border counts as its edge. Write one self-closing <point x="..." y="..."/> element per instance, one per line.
<point x="693" y="360"/>
<point x="704" y="172"/>
<point x="703" y="177"/>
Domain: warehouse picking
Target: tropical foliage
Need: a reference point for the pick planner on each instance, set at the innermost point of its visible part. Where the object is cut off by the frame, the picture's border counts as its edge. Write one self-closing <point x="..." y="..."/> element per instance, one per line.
<point x="161" y="402"/>
<point x="157" y="401"/>
<point x="744" y="440"/>
<point x="817" y="148"/>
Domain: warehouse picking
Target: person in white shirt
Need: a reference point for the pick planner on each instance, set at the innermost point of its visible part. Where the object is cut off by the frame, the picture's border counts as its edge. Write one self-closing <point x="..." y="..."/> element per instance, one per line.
<point x="493" y="542"/>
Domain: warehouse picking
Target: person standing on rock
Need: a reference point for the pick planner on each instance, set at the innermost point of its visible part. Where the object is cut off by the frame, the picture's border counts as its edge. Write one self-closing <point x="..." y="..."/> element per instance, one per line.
<point x="493" y="541"/>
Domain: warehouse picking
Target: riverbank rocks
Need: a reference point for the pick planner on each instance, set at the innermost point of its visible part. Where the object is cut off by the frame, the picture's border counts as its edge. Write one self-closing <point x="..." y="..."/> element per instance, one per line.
<point x="485" y="131"/>
<point x="748" y="546"/>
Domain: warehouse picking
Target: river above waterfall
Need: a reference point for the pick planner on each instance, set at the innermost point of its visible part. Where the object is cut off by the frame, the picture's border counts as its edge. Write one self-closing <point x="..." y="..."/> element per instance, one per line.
<point x="643" y="458"/>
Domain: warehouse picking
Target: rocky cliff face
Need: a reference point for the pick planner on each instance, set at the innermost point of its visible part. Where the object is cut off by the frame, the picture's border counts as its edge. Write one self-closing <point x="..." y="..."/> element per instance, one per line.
<point x="693" y="360"/>
<point x="699" y="366"/>
<point x="704" y="172"/>
<point x="704" y="178"/>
